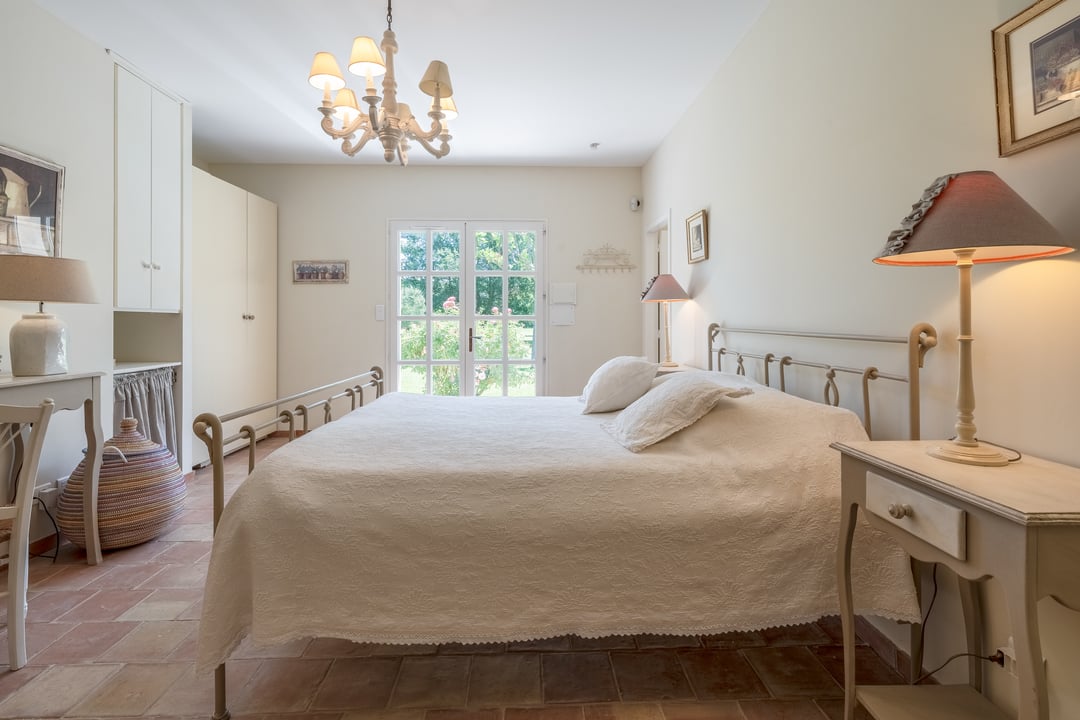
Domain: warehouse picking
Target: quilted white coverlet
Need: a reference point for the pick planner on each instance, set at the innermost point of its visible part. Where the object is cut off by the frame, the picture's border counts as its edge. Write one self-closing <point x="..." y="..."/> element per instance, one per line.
<point x="421" y="519"/>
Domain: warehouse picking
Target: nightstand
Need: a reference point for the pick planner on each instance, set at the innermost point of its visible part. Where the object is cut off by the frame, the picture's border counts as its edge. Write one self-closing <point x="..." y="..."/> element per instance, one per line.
<point x="661" y="370"/>
<point x="1019" y="523"/>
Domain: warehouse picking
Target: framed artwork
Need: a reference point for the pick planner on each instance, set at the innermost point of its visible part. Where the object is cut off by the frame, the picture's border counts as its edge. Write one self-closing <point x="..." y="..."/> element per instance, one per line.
<point x="1037" y="75"/>
<point x="320" y="271"/>
<point x="31" y="204"/>
<point x="697" y="237"/>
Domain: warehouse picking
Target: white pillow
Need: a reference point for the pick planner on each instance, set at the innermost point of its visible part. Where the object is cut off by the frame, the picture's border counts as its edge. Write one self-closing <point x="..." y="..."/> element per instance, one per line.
<point x="617" y="383"/>
<point x="674" y="404"/>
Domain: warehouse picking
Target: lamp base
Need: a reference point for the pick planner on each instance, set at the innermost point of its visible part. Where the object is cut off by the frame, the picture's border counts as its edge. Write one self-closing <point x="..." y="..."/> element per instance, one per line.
<point x="669" y="363"/>
<point x="38" y="346"/>
<point x="977" y="454"/>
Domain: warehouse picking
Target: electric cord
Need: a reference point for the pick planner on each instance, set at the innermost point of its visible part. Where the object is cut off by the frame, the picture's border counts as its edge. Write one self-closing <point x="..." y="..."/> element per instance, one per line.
<point x="922" y="627"/>
<point x="997" y="657"/>
<point x="56" y="531"/>
<point x="1017" y="455"/>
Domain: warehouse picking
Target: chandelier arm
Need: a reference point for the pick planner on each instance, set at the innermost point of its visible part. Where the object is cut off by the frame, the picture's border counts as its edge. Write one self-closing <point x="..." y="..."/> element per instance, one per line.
<point x="327" y="124"/>
<point x="418" y="132"/>
<point x="350" y="148"/>
<point x="442" y="151"/>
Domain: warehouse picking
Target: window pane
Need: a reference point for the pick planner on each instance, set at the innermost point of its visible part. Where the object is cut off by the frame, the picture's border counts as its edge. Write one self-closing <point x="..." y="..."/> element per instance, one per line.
<point x="412" y="379"/>
<point x="445" y="295"/>
<point x="487" y="340"/>
<point x="521" y="381"/>
<point x="522" y="342"/>
<point x="522" y="295"/>
<point x="446" y="251"/>
<point x="521" y="255"/>
<point x="489" y="252"/>
<point x="489" y="379"/>
<point x="489" y="295"/>
<point x="413" y="254"/>
<point x="445" y="380"/>
<point x="413" y="340"/>
<point x="413" y="295"/>
<point x="446" y="340"/>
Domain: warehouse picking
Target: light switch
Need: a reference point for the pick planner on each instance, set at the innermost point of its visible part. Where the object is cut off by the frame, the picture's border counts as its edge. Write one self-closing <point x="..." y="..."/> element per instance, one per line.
<point x="380" y="312"/>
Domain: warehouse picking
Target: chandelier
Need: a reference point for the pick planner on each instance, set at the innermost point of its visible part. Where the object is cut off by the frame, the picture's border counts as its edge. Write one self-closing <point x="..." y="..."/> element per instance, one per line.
<point x="385" y="118"/>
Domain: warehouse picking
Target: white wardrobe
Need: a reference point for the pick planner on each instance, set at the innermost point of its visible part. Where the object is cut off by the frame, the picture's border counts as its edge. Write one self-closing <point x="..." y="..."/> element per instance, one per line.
<point x="234" y="304"/>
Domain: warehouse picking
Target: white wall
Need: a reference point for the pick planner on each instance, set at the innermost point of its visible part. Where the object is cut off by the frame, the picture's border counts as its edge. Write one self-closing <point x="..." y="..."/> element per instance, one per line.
<point x="326" y="332"/>
<point x="807" y="149"/>
<point x="46" y="60"/>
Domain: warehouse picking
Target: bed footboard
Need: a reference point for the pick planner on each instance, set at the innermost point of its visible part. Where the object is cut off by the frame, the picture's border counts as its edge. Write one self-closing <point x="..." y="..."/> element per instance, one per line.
<point x="208" y="427"/>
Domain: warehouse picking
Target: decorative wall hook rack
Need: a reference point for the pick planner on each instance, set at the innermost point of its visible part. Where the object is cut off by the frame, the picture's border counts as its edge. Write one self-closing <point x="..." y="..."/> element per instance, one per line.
<point x="606" y="259"/>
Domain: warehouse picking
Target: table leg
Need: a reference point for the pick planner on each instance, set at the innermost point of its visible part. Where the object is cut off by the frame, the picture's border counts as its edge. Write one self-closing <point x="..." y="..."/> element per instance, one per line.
<point x="972" y="610"/>
<point x="90" y="482"/>
<point x="1024" y="619"/>
<point x="848" y="516"/>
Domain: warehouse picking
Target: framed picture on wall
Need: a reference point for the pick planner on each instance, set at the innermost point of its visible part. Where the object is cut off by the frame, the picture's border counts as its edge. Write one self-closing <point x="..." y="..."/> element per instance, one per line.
<point x="1037" y="75"/>
<point x="697" y="237"/>
<point x="31" y="204"/>
<point x="320" y="271"/>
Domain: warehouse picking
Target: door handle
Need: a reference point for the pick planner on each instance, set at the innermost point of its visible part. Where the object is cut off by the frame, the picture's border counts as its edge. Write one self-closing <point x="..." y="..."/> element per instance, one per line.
<point x="470" y="339"/>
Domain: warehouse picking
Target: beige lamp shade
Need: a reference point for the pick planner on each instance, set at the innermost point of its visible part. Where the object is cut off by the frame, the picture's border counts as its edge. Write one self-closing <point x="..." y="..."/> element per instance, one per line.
<point x="449" y="108"/>
<point x="437" y="76"/>
<point x="365" y="58"/>
<point x="404" y="112"/>
<point x="38" y="342"/>
<point x="664" y="288"/>
<point x="325" y="72"/>
<point x="971" y="210"/>
<point x="345" y="107"/>
<point x="36" y="278"/>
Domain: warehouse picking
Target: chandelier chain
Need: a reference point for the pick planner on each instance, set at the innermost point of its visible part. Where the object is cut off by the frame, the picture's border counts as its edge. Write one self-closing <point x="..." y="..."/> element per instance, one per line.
<point x="389" y="15"/>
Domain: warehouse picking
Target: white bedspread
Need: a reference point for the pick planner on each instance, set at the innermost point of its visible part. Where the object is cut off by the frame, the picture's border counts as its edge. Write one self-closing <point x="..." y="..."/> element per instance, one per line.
<point x="421" y="519"/>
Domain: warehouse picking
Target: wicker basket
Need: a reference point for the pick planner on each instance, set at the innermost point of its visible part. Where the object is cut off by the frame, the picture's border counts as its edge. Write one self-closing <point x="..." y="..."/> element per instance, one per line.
<point x="139" y="494"/>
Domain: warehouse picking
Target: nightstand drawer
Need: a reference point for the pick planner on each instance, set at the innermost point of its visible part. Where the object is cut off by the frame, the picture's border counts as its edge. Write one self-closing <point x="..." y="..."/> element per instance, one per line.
<point x="927" y="518"/>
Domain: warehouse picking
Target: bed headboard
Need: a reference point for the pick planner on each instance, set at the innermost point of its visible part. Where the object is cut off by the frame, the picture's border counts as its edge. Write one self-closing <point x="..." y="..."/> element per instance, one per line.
<point x="921" y="338"/>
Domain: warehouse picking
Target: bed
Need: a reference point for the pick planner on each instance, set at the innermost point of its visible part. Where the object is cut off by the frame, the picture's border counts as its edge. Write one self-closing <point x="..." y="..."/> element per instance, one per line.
<point x="420" y="519"/>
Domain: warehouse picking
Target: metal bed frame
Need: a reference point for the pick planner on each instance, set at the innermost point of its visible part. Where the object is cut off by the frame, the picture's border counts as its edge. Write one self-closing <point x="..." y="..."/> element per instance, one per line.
<point x="208" y="428"/>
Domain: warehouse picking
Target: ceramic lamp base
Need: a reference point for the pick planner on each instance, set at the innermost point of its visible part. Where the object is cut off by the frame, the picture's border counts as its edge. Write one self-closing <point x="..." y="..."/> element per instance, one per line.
<point x="977" y="454"/>
<point x="38" y="345"/>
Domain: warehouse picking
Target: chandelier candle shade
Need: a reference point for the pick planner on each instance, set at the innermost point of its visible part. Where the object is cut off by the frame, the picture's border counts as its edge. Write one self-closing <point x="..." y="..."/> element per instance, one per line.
<point x="966" y="219"/>
<point x="392" y="122"/>
<point x="38" y="341"/>
<point x="665" y="289"/>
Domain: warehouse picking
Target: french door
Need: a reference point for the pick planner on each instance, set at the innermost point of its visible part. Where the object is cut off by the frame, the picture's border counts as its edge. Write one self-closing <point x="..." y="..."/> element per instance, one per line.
<point x="467" y="310"/>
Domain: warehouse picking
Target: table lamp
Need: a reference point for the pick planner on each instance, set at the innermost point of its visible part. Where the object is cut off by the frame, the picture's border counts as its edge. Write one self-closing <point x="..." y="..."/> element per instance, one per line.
<point x="38" y="342"/>
<point x="665" y="289"/>
<point x="965" y="219"/>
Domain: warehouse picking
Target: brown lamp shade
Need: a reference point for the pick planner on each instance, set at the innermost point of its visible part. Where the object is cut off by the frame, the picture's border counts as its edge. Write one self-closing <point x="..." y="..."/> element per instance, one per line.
<point x="971" y="210"/>
<point x="37" y="278"/>
<point x="664" y="288"/>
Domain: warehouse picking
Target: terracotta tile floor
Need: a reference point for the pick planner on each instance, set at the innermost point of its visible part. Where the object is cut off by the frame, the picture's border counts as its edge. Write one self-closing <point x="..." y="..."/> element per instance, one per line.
<point x="117" y="641"/>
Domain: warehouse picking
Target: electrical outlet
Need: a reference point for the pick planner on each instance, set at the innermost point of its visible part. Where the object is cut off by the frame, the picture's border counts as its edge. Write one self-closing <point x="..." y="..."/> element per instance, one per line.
<point x="1009" y="651"/>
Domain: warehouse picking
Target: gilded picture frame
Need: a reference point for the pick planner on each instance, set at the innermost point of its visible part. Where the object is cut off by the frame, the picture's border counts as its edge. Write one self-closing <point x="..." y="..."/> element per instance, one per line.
<point x="697" y="237"/>
<point x="1037" y="75"/>
<point x="31" y="204"/>
<point x="320" y="271"/>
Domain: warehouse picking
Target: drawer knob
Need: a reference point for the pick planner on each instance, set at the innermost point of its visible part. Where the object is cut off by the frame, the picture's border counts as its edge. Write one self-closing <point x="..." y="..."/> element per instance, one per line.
<point x="900" y="511"/>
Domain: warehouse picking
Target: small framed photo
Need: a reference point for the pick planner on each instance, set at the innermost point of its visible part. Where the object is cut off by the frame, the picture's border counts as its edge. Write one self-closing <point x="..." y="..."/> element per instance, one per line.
<point x="697" y="237"/>
<point x="1037" y="75"/>
<point x="320" y="271"/>
<point x="31" y="204"/>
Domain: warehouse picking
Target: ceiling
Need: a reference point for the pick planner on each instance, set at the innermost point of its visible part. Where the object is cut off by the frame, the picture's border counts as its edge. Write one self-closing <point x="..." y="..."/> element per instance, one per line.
<point x="537" y="82"/>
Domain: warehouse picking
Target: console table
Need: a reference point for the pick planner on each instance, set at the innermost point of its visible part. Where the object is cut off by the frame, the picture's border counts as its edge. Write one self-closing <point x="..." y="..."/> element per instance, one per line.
<point x="1019" y="523"/>
<point x="69" y="392"/>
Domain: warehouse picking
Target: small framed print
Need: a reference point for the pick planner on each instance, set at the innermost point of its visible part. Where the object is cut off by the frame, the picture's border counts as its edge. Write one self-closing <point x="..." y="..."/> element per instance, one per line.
<point x="31" y="204"/>
<point x="320" y="271"/>
<point x="697" y="237"/>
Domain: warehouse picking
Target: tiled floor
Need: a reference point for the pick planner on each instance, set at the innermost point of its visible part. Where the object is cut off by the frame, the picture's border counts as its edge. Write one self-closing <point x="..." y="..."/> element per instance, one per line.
<point x="117" y="640"/>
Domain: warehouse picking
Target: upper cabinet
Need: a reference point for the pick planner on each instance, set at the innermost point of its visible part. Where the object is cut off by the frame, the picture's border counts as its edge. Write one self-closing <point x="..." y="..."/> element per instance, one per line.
<point x="149" y="196"/>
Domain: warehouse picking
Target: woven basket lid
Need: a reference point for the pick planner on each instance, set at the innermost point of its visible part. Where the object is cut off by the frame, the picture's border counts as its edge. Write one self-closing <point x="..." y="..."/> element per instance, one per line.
<point x="130" y="441"/>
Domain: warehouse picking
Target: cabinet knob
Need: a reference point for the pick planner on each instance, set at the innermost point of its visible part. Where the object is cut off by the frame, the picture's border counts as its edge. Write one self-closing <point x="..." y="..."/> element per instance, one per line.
<point x="155" y="266"/>
<point x="146" y="265"/>
<point x="900" y="511"/>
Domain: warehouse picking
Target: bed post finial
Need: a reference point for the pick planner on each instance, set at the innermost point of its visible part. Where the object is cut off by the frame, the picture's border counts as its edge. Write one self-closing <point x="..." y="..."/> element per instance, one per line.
<point x="921" y="338"/>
